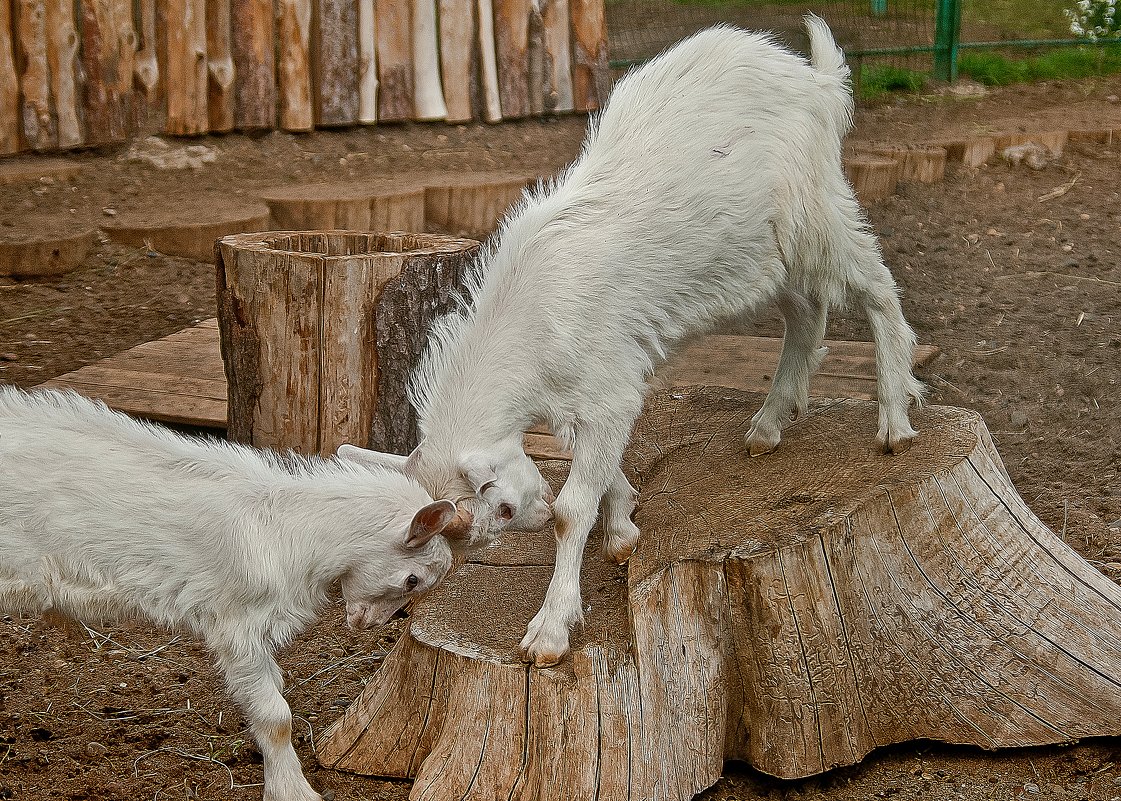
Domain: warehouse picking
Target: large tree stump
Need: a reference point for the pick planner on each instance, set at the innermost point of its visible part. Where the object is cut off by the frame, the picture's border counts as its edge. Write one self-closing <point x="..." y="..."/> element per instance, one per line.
<point x="793" y="611"/>
<point x="320" y="332"/>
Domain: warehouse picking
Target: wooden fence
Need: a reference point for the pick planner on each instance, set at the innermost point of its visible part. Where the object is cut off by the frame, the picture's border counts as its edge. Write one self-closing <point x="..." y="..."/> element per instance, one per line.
<point x="77" y="73"/>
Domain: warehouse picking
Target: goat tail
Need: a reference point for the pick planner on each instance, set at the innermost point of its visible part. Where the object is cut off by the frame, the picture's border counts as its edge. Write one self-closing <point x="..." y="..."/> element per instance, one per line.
<point x="828" y="60"/>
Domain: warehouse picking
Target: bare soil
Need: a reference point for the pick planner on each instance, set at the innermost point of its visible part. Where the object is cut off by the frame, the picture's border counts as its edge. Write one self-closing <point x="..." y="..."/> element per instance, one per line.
<point x="1022" y="295"/>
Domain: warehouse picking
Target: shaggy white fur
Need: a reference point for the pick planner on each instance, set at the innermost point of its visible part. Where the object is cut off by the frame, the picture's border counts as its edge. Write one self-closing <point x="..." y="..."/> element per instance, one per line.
<point x="103" y="516"/>
<point x="710" y="186"/>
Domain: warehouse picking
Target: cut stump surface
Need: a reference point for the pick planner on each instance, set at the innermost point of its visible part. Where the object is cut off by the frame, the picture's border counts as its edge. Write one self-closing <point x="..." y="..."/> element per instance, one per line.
<point x="794" y="611"/>
<point x="28" y="252"/>
<point x="190" y="231"/>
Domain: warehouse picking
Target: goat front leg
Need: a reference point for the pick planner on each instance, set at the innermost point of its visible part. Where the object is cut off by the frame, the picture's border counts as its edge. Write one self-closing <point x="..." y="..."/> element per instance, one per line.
<point x="254" y="681"/>
<point x="595" y="463"/>
<point x="620" y="534"/>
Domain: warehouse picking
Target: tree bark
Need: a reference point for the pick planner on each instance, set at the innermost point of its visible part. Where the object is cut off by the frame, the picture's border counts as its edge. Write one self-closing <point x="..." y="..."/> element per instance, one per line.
<point x="591" y="75"/>
<point x="394" y="28"/>
<point x="293" y="52"/>
<point x="794" y="611"/>
<point x="186" y="67"/>
<point x="320" y="332"/>
<point x="9" y="85"/>
<point x="335" y="55"/>
<point x="254" y="64"/>
<point x="34" y="79"/>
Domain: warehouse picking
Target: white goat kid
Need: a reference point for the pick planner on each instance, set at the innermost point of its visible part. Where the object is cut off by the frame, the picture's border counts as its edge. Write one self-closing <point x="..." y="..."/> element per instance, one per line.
<point x="710" y="185"/>
<point x="104" y="516"/>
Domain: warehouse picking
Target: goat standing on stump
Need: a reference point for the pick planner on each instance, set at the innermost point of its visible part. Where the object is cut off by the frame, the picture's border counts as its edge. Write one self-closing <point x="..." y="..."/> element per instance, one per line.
<point x="103" y="516"/>
<point x="710" y="185"/>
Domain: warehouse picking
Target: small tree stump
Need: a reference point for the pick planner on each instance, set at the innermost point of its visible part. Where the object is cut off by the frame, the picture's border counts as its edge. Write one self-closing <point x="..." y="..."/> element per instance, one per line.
<point x="356" y="206"/>
<point x="925" y="164"/>
<point x="26" y="252"/>
<point x="794" y="611"/>
<point x="1054" y="141"/>
<point x="473" y="203"/>
<point x="320" y="332"/>
<point x="189" y="231"/>
<point x="872" y="177"/>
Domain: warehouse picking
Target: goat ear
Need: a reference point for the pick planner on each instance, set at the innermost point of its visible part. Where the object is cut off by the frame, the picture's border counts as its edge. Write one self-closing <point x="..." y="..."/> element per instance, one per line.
<point x="429" y="521"/>
<point x="352" y="453"/>
<point x="478" y="473"/>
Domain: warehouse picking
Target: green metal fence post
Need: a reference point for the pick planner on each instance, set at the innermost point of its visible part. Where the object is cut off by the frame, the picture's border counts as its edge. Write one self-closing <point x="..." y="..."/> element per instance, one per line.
<point x="879" y="8"/>
<point x="947" y="37"/>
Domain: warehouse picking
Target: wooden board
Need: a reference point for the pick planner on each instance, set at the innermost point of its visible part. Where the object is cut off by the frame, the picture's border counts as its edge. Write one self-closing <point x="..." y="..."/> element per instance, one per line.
<point x="146" y="380"/>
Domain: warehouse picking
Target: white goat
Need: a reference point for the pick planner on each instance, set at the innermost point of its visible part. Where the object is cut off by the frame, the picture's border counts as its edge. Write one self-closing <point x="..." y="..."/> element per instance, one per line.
<point x="710" y="185"/>
<point x="104" y="516"/>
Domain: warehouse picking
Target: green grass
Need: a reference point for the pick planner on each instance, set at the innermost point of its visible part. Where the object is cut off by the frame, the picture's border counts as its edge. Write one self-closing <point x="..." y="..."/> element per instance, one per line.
<point x="994" y="69"/>
<point x="877" y="80"/>
<point x="1019" y="19"/>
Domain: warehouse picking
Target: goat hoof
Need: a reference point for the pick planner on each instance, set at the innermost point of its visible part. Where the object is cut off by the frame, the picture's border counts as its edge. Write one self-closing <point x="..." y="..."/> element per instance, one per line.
<point x="896" y="447"/>
<point x="759" y="447"/>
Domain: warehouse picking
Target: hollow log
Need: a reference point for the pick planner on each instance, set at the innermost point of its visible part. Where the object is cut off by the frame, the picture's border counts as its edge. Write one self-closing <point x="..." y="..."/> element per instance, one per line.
<point x="458" y="61"/>
<point x="186" y="67"/>
<point x="591" y="74"/>
<point x="511" y="45"/>
<point x="219" y="65"/>
<point x="9" y="86"/>
<point x="488" y="64"/>
<point x="367" y="64"/>
<point x="254" y="64"/>
<point x="62" y="58"/>
<point x="872" y="177"/>
<point x="293" y="30"/>
<point x="795" y="611"/>
<point x="472" y="204"/>
<point x="378" y="205"/>
<point x="321" y="330"/>
<point x="335" y="62"/>
<point x="556" y="59"/>
<point x="394" y="30"/>
<point x="428" y="103"/>
<point x="34" y="79"/>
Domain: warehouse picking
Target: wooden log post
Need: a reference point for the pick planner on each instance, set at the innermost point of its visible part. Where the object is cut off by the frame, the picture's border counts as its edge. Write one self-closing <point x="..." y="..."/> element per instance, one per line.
<point x="147" y="64"/>
<point x="794" y="611"/>
<point x="555" y="50"/>
<point x="220" y="98"/>
<point x="9" y="85"/>
<point x="511" y="44"/>
<point x="62" y="58"/>
<point x="335" y="62"/>
<point x="254" y="64"/>
<point x="34" y="79"/>
<point x="428" y="102"/>
<point x="458" y="58"/>
<point x="591" y="75"/>
<point x="488" y="62"/>
<point x="367" y="63"/>
<point x="187" y="86"/>
<point x="394" y="30"/>
<point x="294" y="56"/>
<point x="320" y="332"/>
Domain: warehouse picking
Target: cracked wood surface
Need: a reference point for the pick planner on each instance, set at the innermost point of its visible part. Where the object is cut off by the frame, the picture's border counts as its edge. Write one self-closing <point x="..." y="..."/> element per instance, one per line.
<point x="794" y="611"/>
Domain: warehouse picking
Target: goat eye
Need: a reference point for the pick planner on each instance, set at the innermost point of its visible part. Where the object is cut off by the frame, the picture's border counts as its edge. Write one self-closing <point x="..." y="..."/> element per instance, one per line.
<point x="411" y="582"/>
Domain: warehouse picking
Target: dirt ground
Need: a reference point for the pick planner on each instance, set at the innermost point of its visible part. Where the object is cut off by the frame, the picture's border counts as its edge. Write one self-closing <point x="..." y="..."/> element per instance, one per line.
<point x="1022" y="295"/>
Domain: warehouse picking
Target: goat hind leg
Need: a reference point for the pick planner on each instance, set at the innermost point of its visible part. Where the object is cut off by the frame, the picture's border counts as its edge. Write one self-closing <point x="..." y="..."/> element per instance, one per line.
<point x="620" y="534"/>
<point x="802" y="353"/>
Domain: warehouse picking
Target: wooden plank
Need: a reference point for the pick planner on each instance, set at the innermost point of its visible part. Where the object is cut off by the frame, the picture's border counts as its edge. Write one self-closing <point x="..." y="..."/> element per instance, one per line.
<point x="186" y="67"/>
<point x="62" y="57"/>
<point x="34" y="79"/>
<point x="335" y="62"/>
<point x="367" y="64"/>
<point x="293" y="52"/>
<point x="254" y="64"/>
<point x="394" y="31"/>
<point x="458" y="64"/>
<point x="591" y="75"/>
<point x="9" y="85"/>
<point x="511" y="44"/>
<point x="428" y="102"/>
<point x="193" y="402"/>
<point x="219" y="66"/>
